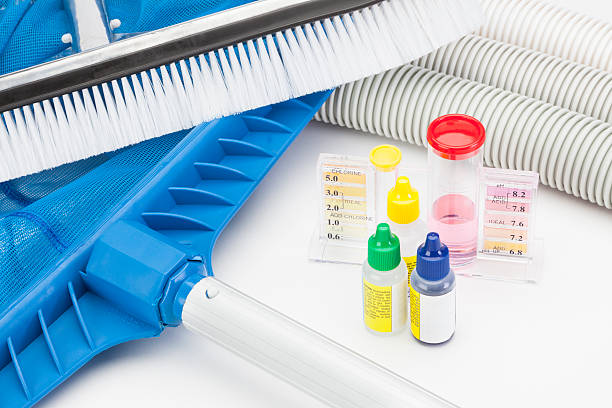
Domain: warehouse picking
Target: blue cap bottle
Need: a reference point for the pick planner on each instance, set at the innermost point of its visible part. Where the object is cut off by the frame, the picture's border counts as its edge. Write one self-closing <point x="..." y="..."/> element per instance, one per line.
<point x="432" y="293"/>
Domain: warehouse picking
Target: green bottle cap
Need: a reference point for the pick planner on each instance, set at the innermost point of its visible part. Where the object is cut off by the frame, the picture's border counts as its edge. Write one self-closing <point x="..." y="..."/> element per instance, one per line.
<point x="384" y="249"/>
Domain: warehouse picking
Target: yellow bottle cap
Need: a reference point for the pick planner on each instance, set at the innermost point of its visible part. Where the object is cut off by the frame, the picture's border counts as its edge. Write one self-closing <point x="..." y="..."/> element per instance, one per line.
<point x="386" y="157"/>
<point x="403" y="202"/>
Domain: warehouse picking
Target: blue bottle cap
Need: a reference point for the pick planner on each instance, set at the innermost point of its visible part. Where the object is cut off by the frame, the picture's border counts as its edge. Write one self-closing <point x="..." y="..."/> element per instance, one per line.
<point x="432" y="258"/>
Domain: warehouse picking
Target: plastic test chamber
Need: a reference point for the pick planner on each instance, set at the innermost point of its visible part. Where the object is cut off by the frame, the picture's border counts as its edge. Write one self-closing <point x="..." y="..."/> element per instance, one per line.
<point x="454" y="162"/>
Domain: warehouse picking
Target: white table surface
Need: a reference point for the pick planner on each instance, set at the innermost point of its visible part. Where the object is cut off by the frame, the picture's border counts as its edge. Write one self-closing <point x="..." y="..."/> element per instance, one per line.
<point x="527" y="345"/>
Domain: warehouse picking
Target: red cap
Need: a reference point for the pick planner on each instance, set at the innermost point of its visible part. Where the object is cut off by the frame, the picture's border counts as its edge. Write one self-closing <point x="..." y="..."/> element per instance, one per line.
<point x="456" y="137"/>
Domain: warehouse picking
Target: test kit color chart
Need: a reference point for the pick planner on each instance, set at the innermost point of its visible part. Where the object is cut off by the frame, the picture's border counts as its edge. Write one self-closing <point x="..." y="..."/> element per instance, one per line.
<point x="507" y="213"/>
<point x="346" y="184"/>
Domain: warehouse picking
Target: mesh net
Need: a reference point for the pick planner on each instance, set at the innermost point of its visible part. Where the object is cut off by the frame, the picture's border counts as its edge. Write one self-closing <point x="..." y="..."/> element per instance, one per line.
<point x="43" y="215"/>
<point x="33" y="237"/>
<point x="30" y="33"/>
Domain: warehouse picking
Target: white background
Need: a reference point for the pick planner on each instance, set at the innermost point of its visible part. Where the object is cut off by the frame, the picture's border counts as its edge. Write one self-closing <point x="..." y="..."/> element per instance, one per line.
<point x="516" y="345"/>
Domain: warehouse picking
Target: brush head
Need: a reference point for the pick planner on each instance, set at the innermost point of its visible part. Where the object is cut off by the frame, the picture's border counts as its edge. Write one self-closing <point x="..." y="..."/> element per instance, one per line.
<point x="229" y="62"/>
<point x="133" y="55"/>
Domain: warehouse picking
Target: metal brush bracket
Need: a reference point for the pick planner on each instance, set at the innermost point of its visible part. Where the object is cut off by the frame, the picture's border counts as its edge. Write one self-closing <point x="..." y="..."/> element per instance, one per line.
<point x="91" y="26"/>
<point x="152" y="49"/>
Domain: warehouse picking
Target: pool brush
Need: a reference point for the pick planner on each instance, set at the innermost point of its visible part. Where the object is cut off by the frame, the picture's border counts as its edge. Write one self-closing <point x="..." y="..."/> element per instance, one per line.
<point x="106" y="97"/>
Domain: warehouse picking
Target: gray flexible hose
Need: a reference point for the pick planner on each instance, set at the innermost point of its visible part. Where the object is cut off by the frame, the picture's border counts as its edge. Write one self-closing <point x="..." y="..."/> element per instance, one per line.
<point x="564" y="83"/>
<point x="548" y="28"/>
<point x="572" y="152"/>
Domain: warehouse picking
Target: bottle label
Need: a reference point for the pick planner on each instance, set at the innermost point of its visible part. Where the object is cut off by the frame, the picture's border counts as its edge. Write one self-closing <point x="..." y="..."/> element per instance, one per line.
<point x="432" y="318"/>
<point x="410" y="264"/>
<point x="385" y="307"/>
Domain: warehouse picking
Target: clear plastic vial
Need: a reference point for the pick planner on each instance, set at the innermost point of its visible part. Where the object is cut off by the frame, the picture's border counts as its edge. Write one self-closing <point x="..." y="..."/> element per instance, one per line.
<point x="403" y="212"/>
<point x="385" y="284"/>
<point x="432" y="293"/>
<point x="454" y="163"/>
<point x="386" y="159"/>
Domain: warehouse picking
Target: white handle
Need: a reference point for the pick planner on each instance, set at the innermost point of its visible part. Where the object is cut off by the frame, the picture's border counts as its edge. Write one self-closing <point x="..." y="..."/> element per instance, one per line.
<point x="300" y="356"/>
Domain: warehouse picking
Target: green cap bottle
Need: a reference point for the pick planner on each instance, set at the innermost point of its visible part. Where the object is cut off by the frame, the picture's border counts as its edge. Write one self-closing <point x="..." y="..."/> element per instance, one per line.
<point x="384" y="249"/>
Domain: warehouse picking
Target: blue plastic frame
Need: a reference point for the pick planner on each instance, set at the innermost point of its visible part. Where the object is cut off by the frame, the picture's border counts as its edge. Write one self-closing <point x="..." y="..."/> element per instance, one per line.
<point x="124" y="281"/>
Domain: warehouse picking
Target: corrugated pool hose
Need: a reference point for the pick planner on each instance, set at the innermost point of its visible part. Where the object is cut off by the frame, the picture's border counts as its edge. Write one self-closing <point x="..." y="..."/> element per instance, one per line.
<point x="547" y="113"/>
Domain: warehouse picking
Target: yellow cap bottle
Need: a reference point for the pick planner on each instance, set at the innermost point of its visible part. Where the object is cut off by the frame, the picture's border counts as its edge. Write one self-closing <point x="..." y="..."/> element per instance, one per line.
<point x="403" y="202"/>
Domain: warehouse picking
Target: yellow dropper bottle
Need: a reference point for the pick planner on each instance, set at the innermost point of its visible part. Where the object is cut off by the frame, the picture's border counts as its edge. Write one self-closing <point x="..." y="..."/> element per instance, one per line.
<point x="403" y="211"/>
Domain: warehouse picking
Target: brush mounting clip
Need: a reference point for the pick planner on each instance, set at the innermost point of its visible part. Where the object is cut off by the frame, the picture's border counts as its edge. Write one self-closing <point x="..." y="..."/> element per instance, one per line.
<point x="92" y="28"/>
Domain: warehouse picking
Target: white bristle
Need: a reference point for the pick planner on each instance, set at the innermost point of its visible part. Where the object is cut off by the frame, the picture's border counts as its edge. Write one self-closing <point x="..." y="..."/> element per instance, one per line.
<point x="189" y="91"/>
<point x="24" y="137"/>
<point x="247" y="72"/>
<point x="63" y="130"/>
<point x="276" y="67"/>
<point x="160" y="101"/>
<point x="180" y="94"/>
<point x="122" y="112"/>
<point x="87" y="129"/>
<point x="52" y="126"/>
<point x="257" y="71"/>
<point x="5" y="147"/>
<point x="74" y="127"/>
<point x="171" y="97"/>
<point x="31" y="130"/>
<point x="115" y="126"/>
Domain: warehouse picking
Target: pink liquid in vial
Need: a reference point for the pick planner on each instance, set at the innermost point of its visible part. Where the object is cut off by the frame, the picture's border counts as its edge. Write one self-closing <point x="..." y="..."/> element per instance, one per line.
<point x="454" y="218"/>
